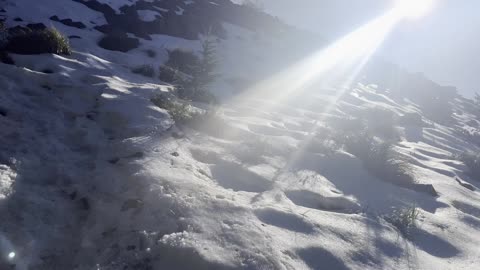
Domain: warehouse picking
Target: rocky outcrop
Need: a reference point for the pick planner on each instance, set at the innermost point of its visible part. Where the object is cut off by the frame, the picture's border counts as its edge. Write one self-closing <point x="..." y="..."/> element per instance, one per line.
<point x="118" y="42"/>
<point x="68" y="22"/>
<point x="180" y="18"/>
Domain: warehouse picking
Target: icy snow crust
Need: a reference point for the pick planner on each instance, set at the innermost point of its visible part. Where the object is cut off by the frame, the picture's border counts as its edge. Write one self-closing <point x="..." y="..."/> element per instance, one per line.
<point x="92" y="178"/>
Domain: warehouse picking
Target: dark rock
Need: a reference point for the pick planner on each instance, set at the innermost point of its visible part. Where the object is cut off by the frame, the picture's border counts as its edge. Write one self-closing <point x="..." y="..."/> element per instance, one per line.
<point x="3" y="112"/>
<point x="175" y="154"/>
<point x="114" y="160"/>
<point x="68" y="22"/>
<point x="73" y="195"/>
<point x="131" y="204"/>
<point x="47" y="71"/>
<point x="18" y="19"/>
<point x="84" y="204"/>
<point x="36" y="26"/>
<point x="6" y="59"/>
<point x="74" y="37"/>
<point x="131" y="247"/>
<point x="136" y="155"/>
<point x="120" y="43"/>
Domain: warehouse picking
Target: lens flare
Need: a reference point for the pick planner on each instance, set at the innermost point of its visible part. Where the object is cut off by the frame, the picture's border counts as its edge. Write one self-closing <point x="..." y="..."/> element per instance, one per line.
<point x="413" y="8"/>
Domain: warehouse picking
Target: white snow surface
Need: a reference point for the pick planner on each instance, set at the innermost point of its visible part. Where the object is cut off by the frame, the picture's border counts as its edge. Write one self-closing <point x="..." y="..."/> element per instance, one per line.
<point x="94" y="176"/>
<point x="148" y="15"/>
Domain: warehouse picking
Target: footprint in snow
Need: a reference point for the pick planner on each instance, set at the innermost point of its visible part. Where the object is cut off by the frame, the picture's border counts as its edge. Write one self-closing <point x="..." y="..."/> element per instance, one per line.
<point x="284" y="220"/>
<point x="314" y="200"/>
<point x="467" y="208"/>
<point x="320" y="258"/>
<point x="434" y="245"/>
<point x="233" y="176"/>
<point x="206" y="157"/>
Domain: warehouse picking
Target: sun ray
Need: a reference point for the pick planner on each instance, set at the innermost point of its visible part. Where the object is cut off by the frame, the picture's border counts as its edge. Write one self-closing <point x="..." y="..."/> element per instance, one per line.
<point x="338" y="64"/>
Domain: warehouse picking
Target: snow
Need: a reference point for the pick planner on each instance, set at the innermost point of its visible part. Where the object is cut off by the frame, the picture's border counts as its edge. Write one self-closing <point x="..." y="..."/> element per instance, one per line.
<point x="92" y="176"/>
<point x="43" y="11"/>
<point x="148" y="15"/>
<point x="117" y="4"/>
<point x="179" y="10"/>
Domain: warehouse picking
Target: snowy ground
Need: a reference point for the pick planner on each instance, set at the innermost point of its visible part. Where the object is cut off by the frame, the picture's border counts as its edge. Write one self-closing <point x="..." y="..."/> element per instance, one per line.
<point x="94" y="176"/>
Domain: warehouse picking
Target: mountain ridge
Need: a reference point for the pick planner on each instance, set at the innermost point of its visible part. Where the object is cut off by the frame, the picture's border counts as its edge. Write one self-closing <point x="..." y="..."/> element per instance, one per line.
<point x="94" y="175"/>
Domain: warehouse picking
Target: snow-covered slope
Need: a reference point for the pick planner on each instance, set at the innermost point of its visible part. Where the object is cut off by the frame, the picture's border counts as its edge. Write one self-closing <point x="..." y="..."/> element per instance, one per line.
<point x="94" y="176"/>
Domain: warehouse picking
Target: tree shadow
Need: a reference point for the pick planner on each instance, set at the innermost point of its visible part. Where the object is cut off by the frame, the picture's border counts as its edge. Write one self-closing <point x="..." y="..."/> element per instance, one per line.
<point x="348" y="174"/>
<point x="284" y="220"/>
<point x="414" y="133"/>
<point x="320" y="258"/>
<point x="433" y="244"/>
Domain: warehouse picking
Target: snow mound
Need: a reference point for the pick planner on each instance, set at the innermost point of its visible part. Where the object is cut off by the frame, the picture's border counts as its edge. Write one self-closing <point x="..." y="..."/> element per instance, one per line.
<point x="94" y="176"/>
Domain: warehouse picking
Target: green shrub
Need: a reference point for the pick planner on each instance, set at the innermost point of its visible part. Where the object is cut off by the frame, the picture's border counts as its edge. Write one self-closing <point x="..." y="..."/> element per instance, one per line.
<point x="411" y="119"/>
<point x="373" y="122"/>
<point x="28" y="41"/>
<point x="379" y="158"/>
<point x="145" y="70"/>
<point x="200" y="95"/>
<point x="182" y="60"/>
<point x="179" y="112"/>
<point x="169" y="75"/>
<point x="404" y="219"/>
<point x="192" y="74"/>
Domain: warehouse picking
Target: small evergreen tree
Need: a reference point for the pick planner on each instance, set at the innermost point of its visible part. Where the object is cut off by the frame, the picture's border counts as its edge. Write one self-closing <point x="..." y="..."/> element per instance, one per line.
<point x="205" y="70"/>
<point x="253" y="4"/>
<point x="477" y="99"/>
<point x="195" y="86"/>
<point x="3" y="35"/>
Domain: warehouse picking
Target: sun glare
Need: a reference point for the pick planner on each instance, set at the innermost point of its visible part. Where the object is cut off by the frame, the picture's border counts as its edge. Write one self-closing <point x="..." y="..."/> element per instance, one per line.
<point x="413" y="8"/>
<point x="333" y="67"/>
<point x="349" y="54"/>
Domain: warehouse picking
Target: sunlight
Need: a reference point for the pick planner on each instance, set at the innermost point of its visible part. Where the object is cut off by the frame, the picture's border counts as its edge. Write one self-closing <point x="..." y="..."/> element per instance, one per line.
<point x="334" y="67"/>
<point x="413" y="8"/>
<point x="348" y="53"/>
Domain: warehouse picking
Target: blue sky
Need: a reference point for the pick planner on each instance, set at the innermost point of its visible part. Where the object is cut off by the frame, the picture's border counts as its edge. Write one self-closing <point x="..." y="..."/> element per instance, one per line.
<point x="445" y="45"/>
